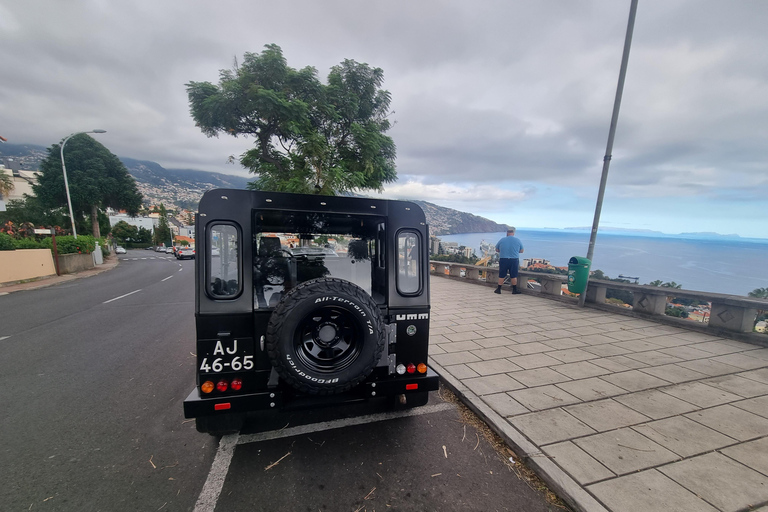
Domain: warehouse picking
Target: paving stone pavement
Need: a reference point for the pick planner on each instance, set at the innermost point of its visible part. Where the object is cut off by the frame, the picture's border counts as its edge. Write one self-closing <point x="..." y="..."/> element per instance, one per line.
<point x="615" y="413"/>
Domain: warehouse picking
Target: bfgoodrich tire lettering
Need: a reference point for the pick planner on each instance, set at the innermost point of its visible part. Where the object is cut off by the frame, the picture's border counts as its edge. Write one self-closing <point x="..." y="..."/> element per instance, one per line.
<point x="325" y="336"/>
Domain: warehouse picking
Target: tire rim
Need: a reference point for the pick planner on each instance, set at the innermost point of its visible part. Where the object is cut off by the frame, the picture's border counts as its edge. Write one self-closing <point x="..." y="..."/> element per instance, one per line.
<point x="327" y="340"/>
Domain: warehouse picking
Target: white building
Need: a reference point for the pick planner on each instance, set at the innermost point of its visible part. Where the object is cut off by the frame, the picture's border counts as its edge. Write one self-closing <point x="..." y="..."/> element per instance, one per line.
<point x="22" y="184"/>
<point x="139" y="222"/>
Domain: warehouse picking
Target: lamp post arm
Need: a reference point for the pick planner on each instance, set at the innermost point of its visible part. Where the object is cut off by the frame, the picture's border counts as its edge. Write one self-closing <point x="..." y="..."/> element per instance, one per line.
<point x="66" y="186"/>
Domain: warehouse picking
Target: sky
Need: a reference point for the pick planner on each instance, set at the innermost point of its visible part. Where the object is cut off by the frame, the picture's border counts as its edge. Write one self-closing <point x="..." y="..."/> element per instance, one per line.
<point x="499" y="108"/>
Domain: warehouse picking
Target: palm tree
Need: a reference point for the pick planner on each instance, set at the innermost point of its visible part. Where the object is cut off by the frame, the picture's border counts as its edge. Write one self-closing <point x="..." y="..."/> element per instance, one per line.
<point x="672" y="284"/>
<point x="6" y="184"/>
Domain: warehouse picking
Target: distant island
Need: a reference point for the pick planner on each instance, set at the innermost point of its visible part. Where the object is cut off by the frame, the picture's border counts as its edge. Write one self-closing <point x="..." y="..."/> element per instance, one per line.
<point x="650" y="232"/>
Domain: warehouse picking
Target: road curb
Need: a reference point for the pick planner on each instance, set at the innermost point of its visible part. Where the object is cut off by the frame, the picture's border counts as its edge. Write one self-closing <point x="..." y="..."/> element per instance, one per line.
<point x="558" y="480"/>
<point x="45" y="282"/>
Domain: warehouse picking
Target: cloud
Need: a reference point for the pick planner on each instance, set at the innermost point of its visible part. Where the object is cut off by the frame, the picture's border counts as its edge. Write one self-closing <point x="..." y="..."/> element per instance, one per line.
<point x="509" y="98"/>
<point x="467" y="193"/>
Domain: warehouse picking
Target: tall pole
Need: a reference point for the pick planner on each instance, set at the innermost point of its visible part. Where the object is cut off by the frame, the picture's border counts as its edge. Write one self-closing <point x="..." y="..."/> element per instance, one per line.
<point x="611" y="134"/>
<point x="66" y="183"/>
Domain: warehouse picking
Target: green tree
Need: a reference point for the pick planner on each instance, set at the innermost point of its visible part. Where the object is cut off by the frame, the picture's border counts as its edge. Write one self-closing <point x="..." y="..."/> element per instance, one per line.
<point x="123" y="232"/>
<point x="97" y="180"/>
<point x="310" y="137"/>
<point x="672" y="284"/>
<point x="163" y="231"/>
<point x="144" y="236"/>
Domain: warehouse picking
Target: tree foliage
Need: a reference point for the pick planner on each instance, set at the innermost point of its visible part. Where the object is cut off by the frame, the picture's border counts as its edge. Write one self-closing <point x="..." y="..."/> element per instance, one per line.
<point x="144" y="236"/>
<point x="29" y="209"/>
<point x="454" y="258"/>
<point x="669" y="284"/>
<point x="310" y="137"/>
<point x="759" y="293"/>
<point x="97" y="180"/>
<point x="676" y="312"/>
<point x="123" y="231"/>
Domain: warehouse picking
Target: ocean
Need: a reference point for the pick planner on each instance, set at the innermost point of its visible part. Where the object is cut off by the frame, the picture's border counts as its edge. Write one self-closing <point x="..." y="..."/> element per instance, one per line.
<point x="721" y="265"/>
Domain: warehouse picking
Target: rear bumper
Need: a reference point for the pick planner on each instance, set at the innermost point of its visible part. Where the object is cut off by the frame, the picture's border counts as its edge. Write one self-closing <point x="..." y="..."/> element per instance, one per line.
<point x="195" y="407"/>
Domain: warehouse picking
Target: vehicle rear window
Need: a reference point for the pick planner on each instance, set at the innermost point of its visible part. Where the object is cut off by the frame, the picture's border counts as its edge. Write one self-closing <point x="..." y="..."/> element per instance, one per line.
<point x="223" y="261"/>
<point x="292" y="247"/>
<point x="408" y="257"/>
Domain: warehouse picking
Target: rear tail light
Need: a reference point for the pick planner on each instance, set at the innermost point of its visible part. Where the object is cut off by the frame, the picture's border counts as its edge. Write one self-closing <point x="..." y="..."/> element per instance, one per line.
<point x="222" y="385"/>
<point x="411" y="368"/>
<point x="400" y="369"/>
<point x="236" y="385"/>
<point x="422" y="368"/>
<point x="207" y="386"/>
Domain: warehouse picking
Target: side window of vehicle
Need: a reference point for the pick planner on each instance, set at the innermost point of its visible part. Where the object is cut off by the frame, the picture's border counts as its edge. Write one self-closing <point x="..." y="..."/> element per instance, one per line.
<point x="408" y="260"/>
<point x="223" y="261"/>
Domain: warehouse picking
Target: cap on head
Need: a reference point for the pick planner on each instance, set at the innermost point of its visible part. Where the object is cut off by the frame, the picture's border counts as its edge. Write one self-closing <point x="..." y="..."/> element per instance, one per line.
<point x="511" y="230"/>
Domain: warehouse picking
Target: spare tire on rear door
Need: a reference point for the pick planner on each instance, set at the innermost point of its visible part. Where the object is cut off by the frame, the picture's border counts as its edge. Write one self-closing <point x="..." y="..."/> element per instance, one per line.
<point x="325" y="336"/>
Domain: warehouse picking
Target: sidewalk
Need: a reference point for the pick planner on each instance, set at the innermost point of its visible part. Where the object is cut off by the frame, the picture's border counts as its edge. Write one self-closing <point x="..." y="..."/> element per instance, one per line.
<point x="615" y="413"/>
<point x="110" y="262"/>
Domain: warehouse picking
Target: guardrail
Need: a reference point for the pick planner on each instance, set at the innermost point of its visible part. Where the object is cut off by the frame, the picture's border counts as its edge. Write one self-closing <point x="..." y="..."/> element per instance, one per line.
<point x="731" y="315"/>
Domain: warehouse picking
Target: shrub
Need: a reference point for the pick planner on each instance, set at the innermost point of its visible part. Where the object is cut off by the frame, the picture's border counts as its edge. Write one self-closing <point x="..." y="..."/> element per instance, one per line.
<point x="6" y="242"/>
<point x="85" y="244"/>
<point x="27" y="243"/>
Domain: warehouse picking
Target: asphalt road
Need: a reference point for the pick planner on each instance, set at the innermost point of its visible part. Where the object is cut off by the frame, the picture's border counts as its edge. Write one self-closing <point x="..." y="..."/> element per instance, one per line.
<point x="93" y="375"/>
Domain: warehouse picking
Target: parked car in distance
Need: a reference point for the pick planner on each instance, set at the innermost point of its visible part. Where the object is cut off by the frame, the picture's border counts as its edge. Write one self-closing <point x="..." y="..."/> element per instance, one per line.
<point x="160" y="249"/>
<point x="150" y="248"/>
<point x="186" y="252"/>
<point x="119" y="250"/>
<point x="169" y="250"/>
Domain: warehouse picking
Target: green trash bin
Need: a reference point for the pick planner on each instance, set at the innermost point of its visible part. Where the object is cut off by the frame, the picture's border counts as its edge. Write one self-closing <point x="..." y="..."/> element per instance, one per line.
<point x="578" y="274"/>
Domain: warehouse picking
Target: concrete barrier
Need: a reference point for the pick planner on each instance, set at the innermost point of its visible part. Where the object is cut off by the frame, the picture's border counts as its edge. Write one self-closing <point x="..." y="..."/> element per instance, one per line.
<point x="69" y="263"/>
<point x="23" y="264"/>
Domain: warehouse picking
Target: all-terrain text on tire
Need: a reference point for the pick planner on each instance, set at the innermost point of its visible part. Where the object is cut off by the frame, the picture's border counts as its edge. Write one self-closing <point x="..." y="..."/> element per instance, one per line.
<point x="304" y="299"/>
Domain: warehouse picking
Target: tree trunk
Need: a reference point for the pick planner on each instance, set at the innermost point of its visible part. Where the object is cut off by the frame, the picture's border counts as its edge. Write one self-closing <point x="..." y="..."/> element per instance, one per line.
<point x="95" y="221"/>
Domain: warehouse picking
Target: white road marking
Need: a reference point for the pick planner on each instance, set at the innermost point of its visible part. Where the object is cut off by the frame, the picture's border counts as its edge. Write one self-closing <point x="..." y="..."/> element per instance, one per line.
<point x="120" y="297"/>
<point x="4" y="338"/>
<point x="206" y="502"/>
<point x="167" y="278"/>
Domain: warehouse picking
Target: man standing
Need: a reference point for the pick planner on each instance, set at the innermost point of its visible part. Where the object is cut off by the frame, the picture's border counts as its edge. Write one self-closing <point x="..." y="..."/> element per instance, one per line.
<point x="509" y="249"/>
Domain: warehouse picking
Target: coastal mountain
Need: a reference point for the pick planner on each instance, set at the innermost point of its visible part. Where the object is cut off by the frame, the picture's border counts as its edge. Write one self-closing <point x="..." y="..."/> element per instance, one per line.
<point x="183" y="188"/>
<point x="447" y="221"/>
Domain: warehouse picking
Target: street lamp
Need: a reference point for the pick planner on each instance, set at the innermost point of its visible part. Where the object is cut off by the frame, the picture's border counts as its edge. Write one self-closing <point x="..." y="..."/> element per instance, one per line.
<point x="66" y="184"/>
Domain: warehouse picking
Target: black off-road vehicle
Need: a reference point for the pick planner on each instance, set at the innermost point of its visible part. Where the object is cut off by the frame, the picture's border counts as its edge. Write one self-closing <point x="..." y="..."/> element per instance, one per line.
<point x="305" y="300"/>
